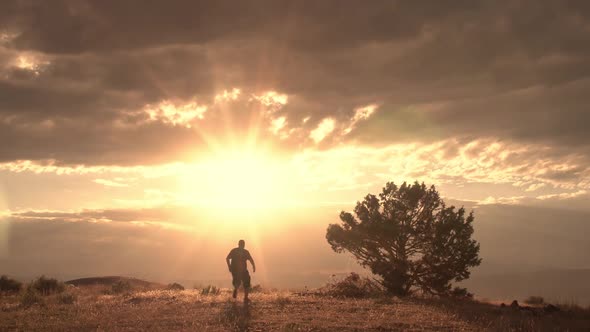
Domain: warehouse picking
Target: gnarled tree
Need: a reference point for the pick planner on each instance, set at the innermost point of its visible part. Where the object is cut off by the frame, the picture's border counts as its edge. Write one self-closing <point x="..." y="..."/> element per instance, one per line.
<point x="410" y="238"/>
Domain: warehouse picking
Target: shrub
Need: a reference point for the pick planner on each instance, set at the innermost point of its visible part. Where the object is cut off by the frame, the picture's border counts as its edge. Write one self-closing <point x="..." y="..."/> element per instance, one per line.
<point x="67" y="298"/>
<point x="354" y="286"/>
<point x="256" y="289"/>
<point x="175" y="287"/>
<point x="8" y="285"/>
<point x="461" y="293"/>
<point x="31" y="296"/>
<point x="534" y="300"/>
<point x="210" y="290"/>
<point x="121" y="286"/>
<point x="47" y="286"/>
<point x="282" y="301"/>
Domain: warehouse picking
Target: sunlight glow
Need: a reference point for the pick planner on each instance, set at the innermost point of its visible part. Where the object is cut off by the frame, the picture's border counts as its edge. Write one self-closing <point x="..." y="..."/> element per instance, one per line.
<point x="30" y="63"/>
<point x="238" y="179"/>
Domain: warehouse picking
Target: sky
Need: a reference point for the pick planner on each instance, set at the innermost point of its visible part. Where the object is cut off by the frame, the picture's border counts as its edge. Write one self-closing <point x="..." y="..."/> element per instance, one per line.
<point x="146" y="138"/>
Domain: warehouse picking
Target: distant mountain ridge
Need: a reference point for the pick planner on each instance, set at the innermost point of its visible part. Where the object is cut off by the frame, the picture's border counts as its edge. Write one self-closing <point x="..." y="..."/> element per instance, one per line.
<point x="111" y="280"/>
<point x="561" y="285"/>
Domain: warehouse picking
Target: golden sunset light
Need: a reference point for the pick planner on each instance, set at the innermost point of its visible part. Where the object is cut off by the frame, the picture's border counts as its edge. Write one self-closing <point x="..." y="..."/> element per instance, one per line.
<point x="238" y="179"/>
<point x="397" y="157"/>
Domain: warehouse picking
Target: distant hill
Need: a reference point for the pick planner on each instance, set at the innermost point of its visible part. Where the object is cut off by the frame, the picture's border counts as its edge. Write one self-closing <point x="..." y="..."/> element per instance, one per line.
<point x="562" y="285"/>
<point x="110" y="280"/>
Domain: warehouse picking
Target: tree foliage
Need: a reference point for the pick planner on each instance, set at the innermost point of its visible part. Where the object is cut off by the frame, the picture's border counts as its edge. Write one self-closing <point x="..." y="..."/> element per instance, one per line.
<point x="410" y="238"/>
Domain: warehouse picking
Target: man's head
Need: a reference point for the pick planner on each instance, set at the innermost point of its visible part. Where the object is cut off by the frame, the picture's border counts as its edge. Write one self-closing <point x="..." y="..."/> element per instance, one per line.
<point x="241" y="244"/>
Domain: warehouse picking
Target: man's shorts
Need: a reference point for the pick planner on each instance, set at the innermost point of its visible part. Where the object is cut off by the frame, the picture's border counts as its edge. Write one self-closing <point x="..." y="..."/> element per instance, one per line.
<point x="241" y="278"/>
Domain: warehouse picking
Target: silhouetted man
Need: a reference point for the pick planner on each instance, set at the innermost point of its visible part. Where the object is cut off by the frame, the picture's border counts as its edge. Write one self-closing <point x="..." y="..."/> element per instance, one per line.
<point x="239" y="268"/>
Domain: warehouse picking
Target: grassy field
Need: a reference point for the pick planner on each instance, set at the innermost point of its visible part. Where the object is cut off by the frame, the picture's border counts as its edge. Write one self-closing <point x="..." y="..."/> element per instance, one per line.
<point x="90" y="309"/>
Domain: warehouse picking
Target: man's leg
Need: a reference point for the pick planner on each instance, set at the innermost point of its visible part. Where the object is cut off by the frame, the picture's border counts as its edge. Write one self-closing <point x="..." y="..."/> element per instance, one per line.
<point x="236" y="283"/>
<point x="246" y="281"/>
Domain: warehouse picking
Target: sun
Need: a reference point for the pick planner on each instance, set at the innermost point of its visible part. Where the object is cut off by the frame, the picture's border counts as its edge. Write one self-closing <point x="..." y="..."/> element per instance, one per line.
<point x="238" y="179"/>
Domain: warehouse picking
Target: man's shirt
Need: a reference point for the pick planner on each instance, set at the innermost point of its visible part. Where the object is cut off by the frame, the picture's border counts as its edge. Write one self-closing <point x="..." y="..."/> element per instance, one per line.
<point x="238" y="258"/>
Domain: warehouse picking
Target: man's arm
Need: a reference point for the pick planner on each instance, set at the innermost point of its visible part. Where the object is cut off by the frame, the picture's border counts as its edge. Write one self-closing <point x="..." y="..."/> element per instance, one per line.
<point x="227" y="261"/>
<point x="252" y="262"/>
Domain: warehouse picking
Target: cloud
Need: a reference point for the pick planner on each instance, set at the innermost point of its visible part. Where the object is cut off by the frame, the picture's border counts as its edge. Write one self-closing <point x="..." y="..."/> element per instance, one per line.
<point x="272" y="99"/>
<point x="452" y="164"/>
<point x="563" y="195"/>
<point x="227" y="95"/>
<point x="52" y="166"/>
<point x="514" y="200"/>
<point x="465" y="169"/>
<point x="110" y="183"/>
<point x="168" y="112"/>
<point x="361" y="113"/>
<point x="324" y="128"/>
<point x="487" y="100"/>
<point x="157" y="24"/>
<point x="535" y="186"/>
<point x="129" y="87"/>
<point x="277" y="126"/>
<point x="161" y="214"/>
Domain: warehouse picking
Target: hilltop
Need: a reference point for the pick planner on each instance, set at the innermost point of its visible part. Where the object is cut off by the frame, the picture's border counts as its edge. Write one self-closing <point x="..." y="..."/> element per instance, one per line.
<point x="93" y="305"/>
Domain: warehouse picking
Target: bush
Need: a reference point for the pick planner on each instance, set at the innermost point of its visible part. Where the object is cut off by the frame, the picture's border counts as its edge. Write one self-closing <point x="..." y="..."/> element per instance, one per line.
<point x="282" y="301"/>
<point x="256" y="289"/>
<point x="8" y="285"/>
<point x="210" y="290"/>
<point x="534" y="300"/>
<point x="175" y="287"/>
<point x="461" y="293"/>
<point x="47" y="286"/>
<point x="31" y="296"/>
<point x="121" y="286"/>
<point x="354" y="286"/>
<point x="67" y="298"/>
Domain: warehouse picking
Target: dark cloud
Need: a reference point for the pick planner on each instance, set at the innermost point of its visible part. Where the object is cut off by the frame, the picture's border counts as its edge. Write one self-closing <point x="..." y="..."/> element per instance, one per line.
<point x="550" y="115"/>
<point x="509" y="70"/>
<point x="85" y="26"/>
<point x="92" y="142"/>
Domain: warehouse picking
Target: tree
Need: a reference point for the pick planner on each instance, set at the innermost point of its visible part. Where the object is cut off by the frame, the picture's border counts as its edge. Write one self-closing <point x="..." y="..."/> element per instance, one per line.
<point x="410" y="238"/>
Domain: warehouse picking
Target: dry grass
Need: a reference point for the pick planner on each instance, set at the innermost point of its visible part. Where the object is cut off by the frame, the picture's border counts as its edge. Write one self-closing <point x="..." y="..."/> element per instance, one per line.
<point x="88" y="308"/>
<point x="492" y="317"/>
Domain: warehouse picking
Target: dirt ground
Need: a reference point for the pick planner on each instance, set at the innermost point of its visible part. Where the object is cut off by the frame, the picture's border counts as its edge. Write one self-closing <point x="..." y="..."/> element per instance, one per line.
<point x="189" y="310"/>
